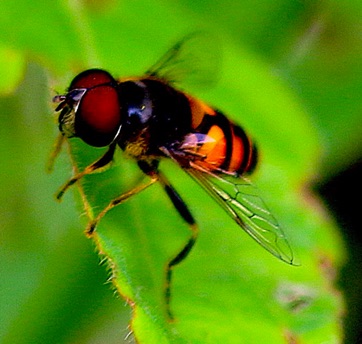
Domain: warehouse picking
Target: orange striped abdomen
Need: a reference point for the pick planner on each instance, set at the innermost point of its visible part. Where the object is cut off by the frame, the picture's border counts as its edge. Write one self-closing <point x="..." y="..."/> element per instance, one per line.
<point x="220" y="144"/>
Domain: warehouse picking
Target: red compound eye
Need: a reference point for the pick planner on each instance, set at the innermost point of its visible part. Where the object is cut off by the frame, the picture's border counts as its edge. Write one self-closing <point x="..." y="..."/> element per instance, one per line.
<point x="91" y="78"/>
<point x="98" y="116"/>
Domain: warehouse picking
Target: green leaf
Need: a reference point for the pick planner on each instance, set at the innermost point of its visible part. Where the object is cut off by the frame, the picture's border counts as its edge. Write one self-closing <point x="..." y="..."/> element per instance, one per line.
<point x="228" y="289"/>
<point x="227" y="280"/>
<point x="12" y="64"/>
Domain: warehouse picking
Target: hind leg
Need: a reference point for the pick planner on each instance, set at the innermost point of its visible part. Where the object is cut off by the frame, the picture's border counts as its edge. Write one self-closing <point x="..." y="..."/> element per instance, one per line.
<point x="185" y="213"/>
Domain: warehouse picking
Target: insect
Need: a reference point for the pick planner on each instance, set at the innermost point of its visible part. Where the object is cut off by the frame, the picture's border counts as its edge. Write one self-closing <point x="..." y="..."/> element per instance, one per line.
<point x="151" y="119"/>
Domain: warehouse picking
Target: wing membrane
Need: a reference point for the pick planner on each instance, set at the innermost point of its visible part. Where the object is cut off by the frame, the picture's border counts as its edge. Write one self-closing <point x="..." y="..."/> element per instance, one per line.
<point x="195" y="60"/>
<point x="240" y="199"/>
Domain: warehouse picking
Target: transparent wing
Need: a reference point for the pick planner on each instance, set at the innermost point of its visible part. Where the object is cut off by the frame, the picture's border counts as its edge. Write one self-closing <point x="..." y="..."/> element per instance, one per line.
<point x="240" y="199"/>
<point x="193" y="61"/>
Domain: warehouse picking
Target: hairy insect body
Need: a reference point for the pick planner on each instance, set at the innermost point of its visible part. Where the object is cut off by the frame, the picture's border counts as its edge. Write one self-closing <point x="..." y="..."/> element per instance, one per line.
<point x="151" y="119"/>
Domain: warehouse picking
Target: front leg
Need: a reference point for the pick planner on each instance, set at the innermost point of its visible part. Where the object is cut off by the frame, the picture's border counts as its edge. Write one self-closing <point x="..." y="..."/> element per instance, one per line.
<point x="101" y="163"/>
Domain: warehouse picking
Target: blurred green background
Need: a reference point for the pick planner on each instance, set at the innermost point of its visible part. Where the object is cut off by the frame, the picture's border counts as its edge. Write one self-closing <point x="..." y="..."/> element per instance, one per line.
<point x="295" y="64"/>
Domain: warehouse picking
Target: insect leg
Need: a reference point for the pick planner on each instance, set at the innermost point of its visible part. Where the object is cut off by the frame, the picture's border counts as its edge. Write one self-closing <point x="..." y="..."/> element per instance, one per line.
<point x="181" y="207"/>
<point x="102" y="162"/>
<point x="56" y="150"/>
<point x="118" y="200"/>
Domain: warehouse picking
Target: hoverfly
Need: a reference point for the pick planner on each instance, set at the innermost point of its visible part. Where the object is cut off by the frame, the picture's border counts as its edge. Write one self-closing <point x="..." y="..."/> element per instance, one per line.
<point x="151" y="119"/>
